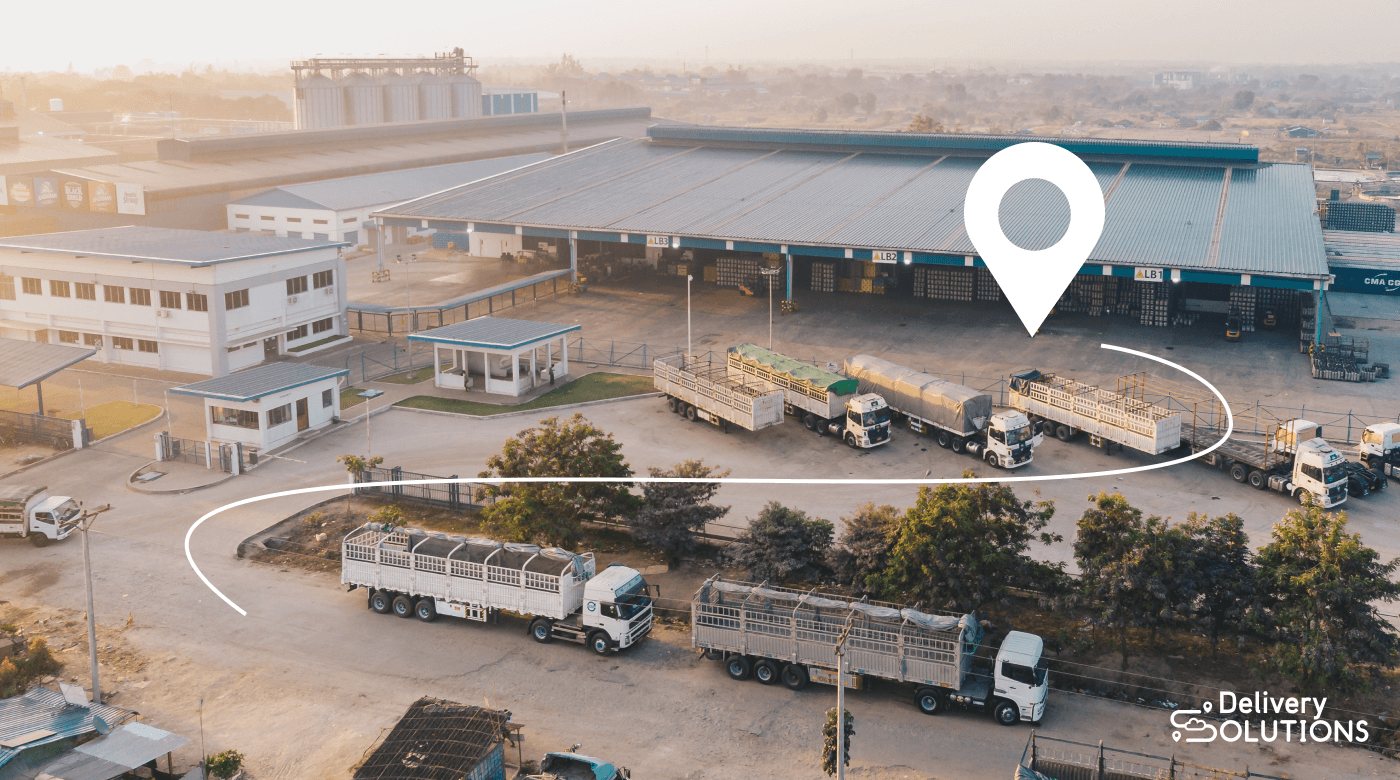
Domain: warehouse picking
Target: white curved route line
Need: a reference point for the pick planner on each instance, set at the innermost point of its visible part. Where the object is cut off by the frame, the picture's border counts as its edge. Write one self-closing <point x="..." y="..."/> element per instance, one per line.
<point x="1229" y="429"/>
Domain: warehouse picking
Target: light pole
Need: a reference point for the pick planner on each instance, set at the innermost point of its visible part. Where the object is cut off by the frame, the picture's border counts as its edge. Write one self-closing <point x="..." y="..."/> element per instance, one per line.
<point x="688" y="280"/>
<point x="369" y="396"/>
<point x="84" y="524"/>
<point x="770" y="273"/>
<point x="841" y="701"/>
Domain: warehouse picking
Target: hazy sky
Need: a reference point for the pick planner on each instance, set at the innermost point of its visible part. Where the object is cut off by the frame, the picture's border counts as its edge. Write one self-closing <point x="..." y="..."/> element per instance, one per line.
<point x="88" y="34"/>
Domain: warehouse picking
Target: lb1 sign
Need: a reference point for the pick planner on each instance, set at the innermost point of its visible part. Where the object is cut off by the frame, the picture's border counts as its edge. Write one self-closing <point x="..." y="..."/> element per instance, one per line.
<point x="1149" y="274"/>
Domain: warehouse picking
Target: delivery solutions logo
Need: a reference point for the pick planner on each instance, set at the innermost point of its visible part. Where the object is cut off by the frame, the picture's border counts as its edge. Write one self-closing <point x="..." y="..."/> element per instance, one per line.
<point x="1260" y="718"/>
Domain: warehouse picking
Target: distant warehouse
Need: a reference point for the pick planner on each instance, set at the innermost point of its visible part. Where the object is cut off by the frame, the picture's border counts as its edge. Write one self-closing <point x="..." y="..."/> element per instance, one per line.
<point x="1193" y="229"/>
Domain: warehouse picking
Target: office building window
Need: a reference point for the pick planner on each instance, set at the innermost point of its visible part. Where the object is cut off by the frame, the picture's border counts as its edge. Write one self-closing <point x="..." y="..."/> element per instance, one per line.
<point x="140" y="296"/>
<point x="146" y="345"/>
<point x="327" y="399"/>
<point x="59" y="289"/>
<point x="296" y="285"/>
<point x="321" y="326"/>
<point x="68" y="337"/>
<point x="240" y="216"/>
<point x="113" y="294"/>
<point x="169" y="300"/>
<point x="238" y="418"/>
<point x="31" y="286"/>
<point x="297" y="333"/>
<point x="322" y="279"/>
<point x="92" y="340"/>
<point x="196" y="302"/>
<point x="293" y="219"/>
<point x="85" y="291"/>
<point x="122" y="342"/>
<point x="7" y="288"/>
<point x="319" y="222"/>
<point x="266" y="218"/>
<point x="279" y="415"/>
<point x="349" y="220"/>
<point x="236" y="299"/>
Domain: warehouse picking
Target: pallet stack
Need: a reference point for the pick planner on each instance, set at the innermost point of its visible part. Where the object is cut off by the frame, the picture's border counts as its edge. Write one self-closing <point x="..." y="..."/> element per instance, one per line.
<point x="1283" y="303"/>
<point x="1352" y="215"/>
<point x="1242" y="304"/>
<point x="737" y="271"/>
<point x="1154" y="303"/>
<point x="949" y="284"/>
<point x="824" y="277"/>
<point x="986" y="284"/>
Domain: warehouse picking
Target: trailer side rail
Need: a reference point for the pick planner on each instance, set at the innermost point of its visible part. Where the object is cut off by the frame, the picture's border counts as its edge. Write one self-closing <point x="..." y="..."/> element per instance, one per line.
<point x="709" y="387"/>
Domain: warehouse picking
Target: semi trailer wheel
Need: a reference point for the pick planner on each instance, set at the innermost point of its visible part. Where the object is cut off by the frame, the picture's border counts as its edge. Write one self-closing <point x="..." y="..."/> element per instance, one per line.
<point x="1064" y="432"/>
<point x="739" y="667"/>
<point x="945" y="439"/>
<point x="795" y="677"/>
<point x="766" y="671"/>
<point x="675" y="404"/>
<point x="1238" y="472"/>
<point x="425" y="610"/>
<point x="809" y="421"/>
<point x="1257" y="480"/>
<point x="1006" y="713"/>
<point x="403" y="606"/>
<point x="930" y="701"/>
<point x="381" y="601"/>
<point x="541" y="630"/>
<point x="959" y="444"/>
<point x="690" y="413"/>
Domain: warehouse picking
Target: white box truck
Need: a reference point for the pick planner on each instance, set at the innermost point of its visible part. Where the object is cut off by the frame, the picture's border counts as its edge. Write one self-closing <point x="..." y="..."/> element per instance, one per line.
<point x="826" y="402"/>
<point x="959" y="418"/>
<point x="779" y="635"/>
<point x="29" y="512"/>
<point x="1065" y="407"/>
<point x="700" y="388"/>
<point x="414" y="573"/>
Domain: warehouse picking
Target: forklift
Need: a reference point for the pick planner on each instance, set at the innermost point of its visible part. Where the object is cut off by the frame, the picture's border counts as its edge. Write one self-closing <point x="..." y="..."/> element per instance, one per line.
<point x="1234" y="328"/>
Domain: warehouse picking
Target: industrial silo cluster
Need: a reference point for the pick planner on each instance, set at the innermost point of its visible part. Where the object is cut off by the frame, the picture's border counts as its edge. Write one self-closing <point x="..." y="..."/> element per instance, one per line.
<point x="358" y="92"/>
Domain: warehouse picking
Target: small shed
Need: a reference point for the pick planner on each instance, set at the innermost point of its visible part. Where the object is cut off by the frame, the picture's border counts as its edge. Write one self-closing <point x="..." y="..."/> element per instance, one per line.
<point x="127" y="749"/>
<point x="269" y="404"/>
<point x="498" y="355"/>
<point x="42" y="723"/>
<point x="441" y="740"/>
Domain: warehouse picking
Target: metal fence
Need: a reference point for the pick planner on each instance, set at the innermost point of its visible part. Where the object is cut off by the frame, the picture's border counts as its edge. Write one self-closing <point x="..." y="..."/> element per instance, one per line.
<point x="401" y="321"/>
<point x="174" y="448"/>
<point x="624" y="354"/>
<point x="1064" y="759"/>
<point x="57" y="432"/>
<point x="452" y="495"/>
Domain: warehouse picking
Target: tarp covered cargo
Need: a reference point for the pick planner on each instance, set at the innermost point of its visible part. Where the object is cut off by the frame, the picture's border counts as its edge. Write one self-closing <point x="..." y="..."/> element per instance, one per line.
<point x="817" y="377"/>
<point x="951" y="406"/>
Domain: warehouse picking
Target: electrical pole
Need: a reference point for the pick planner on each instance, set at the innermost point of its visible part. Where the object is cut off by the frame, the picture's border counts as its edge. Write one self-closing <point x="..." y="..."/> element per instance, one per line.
<point x="84" y="525"/>
<point x="564" y="120"/>
<point x="770" y="274"/>
<point x="841" y="701"/>
<point x="688" y="349"/>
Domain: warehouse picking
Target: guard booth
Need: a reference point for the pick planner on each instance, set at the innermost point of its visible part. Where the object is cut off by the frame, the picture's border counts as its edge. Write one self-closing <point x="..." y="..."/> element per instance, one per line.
<point x="498" y="355"/>
<point x="268" y="405"/>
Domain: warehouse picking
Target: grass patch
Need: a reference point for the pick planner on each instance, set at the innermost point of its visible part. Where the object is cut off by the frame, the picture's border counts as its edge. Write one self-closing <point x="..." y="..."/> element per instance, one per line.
<point x="112" y="417"/>
<point x="314" y="344"/>
<point x="350" y="396"/>
<point x="590" y="387"/>
<point x="409" y="377"/>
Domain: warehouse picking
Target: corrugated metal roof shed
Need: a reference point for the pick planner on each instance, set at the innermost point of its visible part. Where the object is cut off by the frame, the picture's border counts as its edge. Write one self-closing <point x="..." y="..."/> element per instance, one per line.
<point x="22" y="363"/>
<point x="378" y="189"/>
<point x="131" y="746"/>
<point x="43" y="710"/>
<point x="1167" y="204"/>
<point x="253" y="383"/>
<point x="191" y="248"/>
<point x="1364" y="246"/>
<point x="494" y="333"/>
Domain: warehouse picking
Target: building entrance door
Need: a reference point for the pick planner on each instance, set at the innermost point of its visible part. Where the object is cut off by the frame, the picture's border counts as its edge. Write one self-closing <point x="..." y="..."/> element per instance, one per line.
<point x="303" y="416"/>
<point x="270" y="347"/>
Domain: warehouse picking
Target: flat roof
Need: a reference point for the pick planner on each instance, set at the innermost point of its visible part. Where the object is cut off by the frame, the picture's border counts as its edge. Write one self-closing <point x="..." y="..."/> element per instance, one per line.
<point x="494" y="333"/>
<point x="22" y="363"/>
<point x="1206" y="207"/>
<point x="191" y="248"/>
<point x="1361" y="245"/>
<point x="377" y="189"/>
<point x="260" y="381"/>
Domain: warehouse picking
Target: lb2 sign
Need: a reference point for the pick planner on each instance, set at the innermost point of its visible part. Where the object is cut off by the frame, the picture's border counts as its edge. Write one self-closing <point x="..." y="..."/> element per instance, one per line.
<point x="884" y="256"/>
<point x="1149" y="274"/>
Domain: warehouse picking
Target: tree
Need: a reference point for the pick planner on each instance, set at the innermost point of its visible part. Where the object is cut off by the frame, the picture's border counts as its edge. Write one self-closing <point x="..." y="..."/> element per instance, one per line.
<point x="673" y="512"/>
<point x="923" y="123"/>
<point x="847" y="101"/>
<point x="829" y="740"/>
<point x="554" y="512"/>
<point x="225" y="765"/>
<point x="1243" y="100"/>
<point x="356" y="466"/>
<point x="962" y="546"/>
<point x="868" y="102"/>
<point x="866" y="538"/>
<point x="390" y="515"/>
<point x="1322" y="585"/>
<point x="784" y="545"/>
<point x="1222" y="571"/>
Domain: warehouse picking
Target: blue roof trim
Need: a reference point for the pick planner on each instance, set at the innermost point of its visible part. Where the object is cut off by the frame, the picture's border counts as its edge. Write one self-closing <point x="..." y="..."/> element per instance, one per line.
<point x="702" y="243"/>
<point x="930" y="143"/>
<point x="818" y="251"/>
<point x="594" y="235"/>
<point x="338" y="373"/>
<point x="543" y="232"/>
<point x="752" y="246"/>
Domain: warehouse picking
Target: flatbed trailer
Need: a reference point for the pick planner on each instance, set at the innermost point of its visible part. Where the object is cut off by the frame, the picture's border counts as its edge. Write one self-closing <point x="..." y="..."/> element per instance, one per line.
<point x="1294" y="460"/>
<point x="1068" y="407"/>
<point x="700" y="388"/>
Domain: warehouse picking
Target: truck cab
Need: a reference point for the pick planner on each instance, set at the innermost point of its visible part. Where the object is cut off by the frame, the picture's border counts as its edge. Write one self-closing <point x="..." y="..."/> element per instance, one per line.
<point x="1380" y="448"/>
<point x="1318" y="469"/>
<point x="867" y="421"/>
<point x="617" y="601"/>
<point x="1012" y="439"/>
<point x="30" y="512"/>
<point x="1021" y="677"/>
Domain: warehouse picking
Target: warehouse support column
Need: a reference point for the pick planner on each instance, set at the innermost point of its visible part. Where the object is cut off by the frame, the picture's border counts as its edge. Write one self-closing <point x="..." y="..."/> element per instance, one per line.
<point x="787" y="258"/>
<point x="573" y="255"/>
<point x="1318" y="301"/>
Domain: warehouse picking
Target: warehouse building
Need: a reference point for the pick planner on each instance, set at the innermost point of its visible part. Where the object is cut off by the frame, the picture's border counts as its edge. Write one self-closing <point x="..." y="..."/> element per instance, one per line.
<point x="1194" y="230"/>
<point x="178" y="300"/>
<point x="339" y="209"/>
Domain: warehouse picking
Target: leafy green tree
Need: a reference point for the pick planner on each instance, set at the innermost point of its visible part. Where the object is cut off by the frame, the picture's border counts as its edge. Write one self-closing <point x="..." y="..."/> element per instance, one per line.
<point x="1222" y="572"/>
<point x="866" y="538"/>
<point x="356" y="466"/>
<point x="673" y="513"/>
<point x="963" y="546"/>
<point x="783" y="545"/>
<point x="388" y="515"/>
<point x="554" y="512"/>
<point x="1321" y="586"/>
<point x="829" y="740"/>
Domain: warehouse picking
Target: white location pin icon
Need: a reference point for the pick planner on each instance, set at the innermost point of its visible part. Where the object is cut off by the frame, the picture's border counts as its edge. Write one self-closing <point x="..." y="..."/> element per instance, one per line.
<point x="1033" y="279"/>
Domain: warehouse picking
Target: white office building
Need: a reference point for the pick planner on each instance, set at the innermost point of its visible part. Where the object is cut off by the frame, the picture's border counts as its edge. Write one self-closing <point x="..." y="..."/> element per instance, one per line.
<point x="178" y="300"/>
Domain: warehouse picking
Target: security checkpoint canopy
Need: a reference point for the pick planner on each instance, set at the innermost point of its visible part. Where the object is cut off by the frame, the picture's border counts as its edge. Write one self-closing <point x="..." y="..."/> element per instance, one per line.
<point x="494" y="333"/>
<point x="23" y="363"/>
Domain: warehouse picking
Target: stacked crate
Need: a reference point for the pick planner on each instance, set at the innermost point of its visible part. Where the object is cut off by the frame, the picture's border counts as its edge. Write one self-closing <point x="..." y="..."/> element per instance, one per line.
<point x="1283" y="303"/>
<point x="1242" y="304"/>
<point x="949" y="284"/>
<point x="986" y="284"/>
<point x="824" y="277"/>
<point x="1154" y="303"/>
<point x="1352" y="215"/>
<point x="920" y="281"/>
<point x="736" y="271"/>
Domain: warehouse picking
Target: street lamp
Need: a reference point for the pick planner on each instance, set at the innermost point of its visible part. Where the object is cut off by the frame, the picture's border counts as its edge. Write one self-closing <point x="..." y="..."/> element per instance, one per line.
<point x="84" y="524"/>
<point x="770" y="273"/>
<point x="688" y="280"/>
<point x="369" y="395"/>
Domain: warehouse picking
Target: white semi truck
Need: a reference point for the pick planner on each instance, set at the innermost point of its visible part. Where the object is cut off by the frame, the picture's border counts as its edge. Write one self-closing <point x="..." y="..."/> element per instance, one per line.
<point x="419" y="574"/>
<point x="700" y="388"/>
<point x="1065" y="407"/>
<point x="780" y="635"/>
<point x="1294" y="459"/>
<point x="826" y="402"/>
<point x="29" y="512"/>
<point x="1380" y="448"/>
<point x="959" y="418"/>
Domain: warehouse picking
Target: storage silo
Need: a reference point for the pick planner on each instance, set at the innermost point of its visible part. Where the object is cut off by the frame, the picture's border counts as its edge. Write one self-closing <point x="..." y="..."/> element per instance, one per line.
<point x="466" y="97"/>
<point x="364" y="100"/>
<point x="401" y="98"/>
<point x="319" y="103"/>
<point x="434" y="97"/>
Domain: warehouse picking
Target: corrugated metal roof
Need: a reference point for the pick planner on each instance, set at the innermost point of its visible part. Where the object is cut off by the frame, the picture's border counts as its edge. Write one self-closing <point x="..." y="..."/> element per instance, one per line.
<point x="494" y="333"/>
<point x="816" y="193"/>
<point x="1362" y="246"/>
<point x="191" y="248"/>
<point x="104" y="758"/>
<point x="41" y="709"/>
<point x="22" y="363"/>
<point x="263" y="380"/>
<point x="379" y="189"/>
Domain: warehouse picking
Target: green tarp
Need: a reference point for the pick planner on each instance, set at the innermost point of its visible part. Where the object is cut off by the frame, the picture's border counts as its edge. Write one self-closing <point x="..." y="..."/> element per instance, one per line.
<point x="797" y="369"/>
